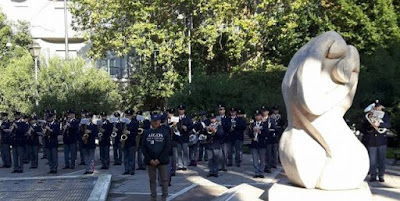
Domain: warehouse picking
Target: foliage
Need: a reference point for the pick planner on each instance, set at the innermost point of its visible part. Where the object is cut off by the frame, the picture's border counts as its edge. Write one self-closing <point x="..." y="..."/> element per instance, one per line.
<point x="247" y="90"/>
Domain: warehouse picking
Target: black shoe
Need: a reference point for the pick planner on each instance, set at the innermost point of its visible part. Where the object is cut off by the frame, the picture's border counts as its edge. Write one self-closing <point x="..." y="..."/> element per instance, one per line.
<point x="66" y="167"/>
<point x="8" y="166"/>
<point x="381" y="180"/>
<point x="50" y="172"/>
<point x="32" y="167"/>
<point x="184" y="169"/>
<point x="86" y="172"/>
<point x="237" y="165"/>
<point x="43" y="158"/>
<point x="225" y="170"/>
<point x="205" y="160"/>
<point x="132" y="173"/>
<point x="255" y="176"/>
<point x="118" y="164"/>
<point x="215" y="175"/>
<point x="372" y="179"/>
<point x="20" y="171"/>
<point x="169" y="184"/>
<point x="268" y="171"/>
<point x="54" y="171"/>
<point x="261" y="176"/>
<point x="103" y="168"/>
<point x="200" y="160"/>
<point x="210" y="175"/>
<point x="15" y="171"/>
<point x="173" y="174"/>
<point x="229" y="165"/>
<point x="125" y="173"/>
<point x="72" y="167"/>
<point x="82" y="163"/>
<point x="274" y="166"/>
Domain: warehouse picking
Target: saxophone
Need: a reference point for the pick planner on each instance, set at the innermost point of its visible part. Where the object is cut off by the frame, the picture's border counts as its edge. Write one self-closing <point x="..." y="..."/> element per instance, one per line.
<point x="124" y="136"/>
<point x="139" y="135"/>
<point x="85" y="135"/>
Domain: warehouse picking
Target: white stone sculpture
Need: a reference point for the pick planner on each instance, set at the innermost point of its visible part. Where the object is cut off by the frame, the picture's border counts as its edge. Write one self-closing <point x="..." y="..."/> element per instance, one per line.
<point x="318" y="149"/>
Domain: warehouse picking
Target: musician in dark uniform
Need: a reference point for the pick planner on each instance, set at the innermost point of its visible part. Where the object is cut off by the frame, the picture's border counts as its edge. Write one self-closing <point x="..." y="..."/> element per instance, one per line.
<point x="375" y="139"/>
<point x="214" y="131"/>
<point x="70" y="135"/>
<point x="129" y="146"/>
<point x="117" y="140"/>
<point x="271" y="138"/>
<point x="174" y="144"/>
<point x="280" y="126"/>
<point x="184" y="125"/>
<point x="20" y="129"/>
<point x="223" y="120"/>
<point x="89" y="144"/>
<point x="104" y="140"/>
<point x="5" y="140"/>
<point x="79" y="139"/>
<point x="33" y="141"/>
<point x="51" y="132"/>
<point x="202" y="146"/>
<point x="143" y="124"/>
<point x="258" y="130"/>
<point x="156" y="148"/>
<point x="235" y="137"/>
<point x="193" y="140"/>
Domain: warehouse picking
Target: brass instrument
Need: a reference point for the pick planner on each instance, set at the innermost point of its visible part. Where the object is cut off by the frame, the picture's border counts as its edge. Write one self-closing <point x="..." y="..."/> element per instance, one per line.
<point x="257" y="130"/>
<point x="124" y="136"/>
<point x="85" y="136"/>
<point x="233" y="124"/>
<point x="374" y="118"/>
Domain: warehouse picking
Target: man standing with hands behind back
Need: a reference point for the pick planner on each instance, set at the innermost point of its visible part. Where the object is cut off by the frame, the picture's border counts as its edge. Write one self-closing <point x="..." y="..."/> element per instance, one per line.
<point x="156" y="145"/>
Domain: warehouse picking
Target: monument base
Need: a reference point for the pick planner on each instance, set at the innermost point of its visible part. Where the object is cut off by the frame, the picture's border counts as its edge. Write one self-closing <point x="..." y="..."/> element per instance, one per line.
<point x="285" y="191"/>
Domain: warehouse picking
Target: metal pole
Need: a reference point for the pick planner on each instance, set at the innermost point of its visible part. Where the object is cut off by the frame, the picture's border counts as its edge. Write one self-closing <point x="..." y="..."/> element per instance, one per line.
<point x="66" y="30"/>
<point x="36" y="81"/>
<point x="190" y="51"/>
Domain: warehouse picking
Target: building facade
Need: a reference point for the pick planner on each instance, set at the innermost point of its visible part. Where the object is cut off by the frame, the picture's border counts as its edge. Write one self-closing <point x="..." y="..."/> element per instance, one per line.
<point x="47" y="25"/>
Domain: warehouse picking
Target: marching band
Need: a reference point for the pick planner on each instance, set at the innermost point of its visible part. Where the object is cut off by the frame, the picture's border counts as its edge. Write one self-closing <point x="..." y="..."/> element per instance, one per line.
<point x="214" y="137"/>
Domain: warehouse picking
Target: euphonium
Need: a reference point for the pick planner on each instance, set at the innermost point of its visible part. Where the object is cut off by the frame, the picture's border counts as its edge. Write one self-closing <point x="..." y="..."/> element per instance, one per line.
<point x="376" y="117"/>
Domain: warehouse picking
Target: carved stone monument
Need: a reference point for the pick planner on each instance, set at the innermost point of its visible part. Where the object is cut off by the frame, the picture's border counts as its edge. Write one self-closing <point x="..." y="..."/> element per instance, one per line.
<point x="318" y="150"/>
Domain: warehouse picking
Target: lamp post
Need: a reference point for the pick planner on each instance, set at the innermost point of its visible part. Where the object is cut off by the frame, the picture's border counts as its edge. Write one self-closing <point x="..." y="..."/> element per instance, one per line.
<point x="35" y="52"/>
<point x="190" y="26"/>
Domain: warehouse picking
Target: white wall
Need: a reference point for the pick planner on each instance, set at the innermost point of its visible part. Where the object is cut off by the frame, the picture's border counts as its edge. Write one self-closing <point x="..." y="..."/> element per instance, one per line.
<point x="46" y="18"/>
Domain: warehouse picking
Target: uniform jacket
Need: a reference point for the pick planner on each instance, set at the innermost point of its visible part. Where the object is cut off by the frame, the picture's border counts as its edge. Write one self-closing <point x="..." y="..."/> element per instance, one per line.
<point x="71" y="133"/>
<point x="184" y="135"/>
<point x="132" y="127"/>
<point x="52" y="141"/>
<point x="213" y="141"/>
<point x="5" y="136"/>
<point x="238" y="131"/>
<point x="108" y="129"/>
<point x="373" y="138"/>
<point x="34" y="136"/>
<point x="20" y="136"/>
<point x="91" y="142"/>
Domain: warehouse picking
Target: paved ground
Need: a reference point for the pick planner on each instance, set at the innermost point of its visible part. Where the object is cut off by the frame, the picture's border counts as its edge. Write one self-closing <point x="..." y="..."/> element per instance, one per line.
<point x="193" y="184"/>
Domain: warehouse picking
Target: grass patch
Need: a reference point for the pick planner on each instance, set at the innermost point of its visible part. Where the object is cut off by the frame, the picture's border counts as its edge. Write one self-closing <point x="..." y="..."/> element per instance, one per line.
<point x="391" y="150"/>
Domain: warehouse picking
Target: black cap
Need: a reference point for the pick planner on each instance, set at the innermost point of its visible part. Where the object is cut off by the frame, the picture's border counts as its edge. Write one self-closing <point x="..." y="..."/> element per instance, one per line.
<point x="4" y="114"/>
<point x="221" y="106"/>
<point x="257" y="112"/>
<point x="129" y="112"/>
<point x="264" y="108"/>
<point x="83" y="111"/>
<point x="50" y="115"/>
<point x="17" y="113"/>
<point x="171" y="110"/>
<point x="139" y="113"/>
<point x="103" y="114"/>
<point x="70" y="112"/>
<point x="276" y="107"/>
<point x="181" y="107"/>
<point x="25" y="116"/>
<point x="117" y="114"/>
<point x="240" y="111"/>
<point x="212" y="116"/>
<point x="89" y="114"/>
<point x="202" y="113"/>
<point x="34" y="117"/>
<point x="233" y="109"/>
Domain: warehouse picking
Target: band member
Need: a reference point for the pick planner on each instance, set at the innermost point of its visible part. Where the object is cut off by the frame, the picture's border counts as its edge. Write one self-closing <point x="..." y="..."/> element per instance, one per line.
<point x="51" y="131"/>
<point x="375" y="127"/>
<point x="116" y="140"/>
<point x="104" y="140"/>
<point x="5" y="140"/>
<point x="258" y="131"/>
<point x="202" y="146"/>
<point x="129" y="142"/>
<point x="83" y="121"/>
<point x="223" y="120"/>
<point x="70" y="135"/>
<point x="235" y="137"/>
<point x="214" y="131"/>
<point x="280" y="125"/>
<point x="156" y="148"/>
<point x="20" y="130"/>
<point x="35" y="131"/>
<point x="89" y="144"/>
<point x="143" y="125"/>
<point x="184" y="127"/>
<point x="174" y="144"/>
<point x="193" y="140"/>
<point x="271" y="138"/>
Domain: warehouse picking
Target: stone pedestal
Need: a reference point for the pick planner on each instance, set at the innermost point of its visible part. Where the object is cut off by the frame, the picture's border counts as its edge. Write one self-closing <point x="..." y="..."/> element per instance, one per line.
<point x="285" y="191"/>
